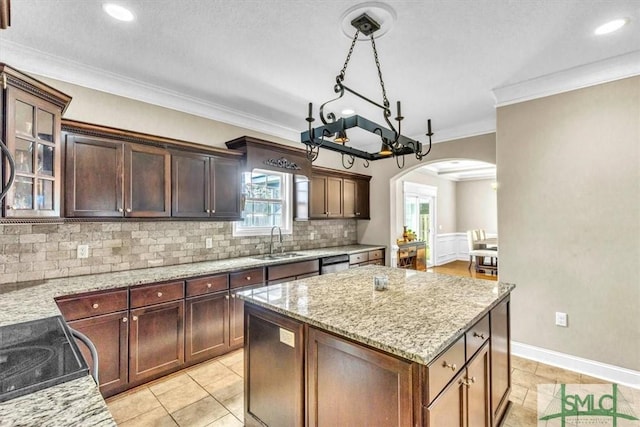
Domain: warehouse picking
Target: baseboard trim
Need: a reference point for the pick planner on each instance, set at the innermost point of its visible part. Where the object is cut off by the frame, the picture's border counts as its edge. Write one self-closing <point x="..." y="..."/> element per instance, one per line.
<point x="615" y="374"/>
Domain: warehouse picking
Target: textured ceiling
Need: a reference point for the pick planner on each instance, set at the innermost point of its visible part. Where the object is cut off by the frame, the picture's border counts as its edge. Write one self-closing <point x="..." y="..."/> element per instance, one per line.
<point x="267" y="59"/>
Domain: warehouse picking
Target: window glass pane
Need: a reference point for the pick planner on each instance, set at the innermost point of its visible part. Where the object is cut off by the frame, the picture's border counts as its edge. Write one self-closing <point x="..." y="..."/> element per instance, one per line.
<point x="23" y="188"/>
<point x="24" y="156"/>
<point x="45" y="125"/>
<point x="45" y="194"/>
<point x="24" y="118"/>
<point x="45" y="160"/>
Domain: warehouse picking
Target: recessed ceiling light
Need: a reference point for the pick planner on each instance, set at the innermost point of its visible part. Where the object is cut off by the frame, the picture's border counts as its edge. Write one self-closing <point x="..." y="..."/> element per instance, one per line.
<point x="118" y="12"/>
<point x="347" y="111"/>
<point x="611" y="26"/>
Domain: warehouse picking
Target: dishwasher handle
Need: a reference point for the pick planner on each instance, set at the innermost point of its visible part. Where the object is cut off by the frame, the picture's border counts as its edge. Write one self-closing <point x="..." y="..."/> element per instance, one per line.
<point x="92" y="349"/>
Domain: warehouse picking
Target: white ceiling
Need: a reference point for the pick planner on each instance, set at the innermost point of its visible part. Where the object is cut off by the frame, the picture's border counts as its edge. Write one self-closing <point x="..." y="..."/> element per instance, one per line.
<point x="258" y="63"/>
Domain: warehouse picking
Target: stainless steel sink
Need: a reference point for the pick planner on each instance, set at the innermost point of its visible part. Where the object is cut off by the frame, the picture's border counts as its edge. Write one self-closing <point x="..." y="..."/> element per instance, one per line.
<point x="285" y="255"/>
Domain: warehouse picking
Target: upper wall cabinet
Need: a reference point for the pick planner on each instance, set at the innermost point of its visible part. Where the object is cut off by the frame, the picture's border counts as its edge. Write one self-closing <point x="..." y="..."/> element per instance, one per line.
<point x="205" y="186"/>
<point x="31" y="112"/>
<point x="337" y="194"/>
<point x="110" y="178"/>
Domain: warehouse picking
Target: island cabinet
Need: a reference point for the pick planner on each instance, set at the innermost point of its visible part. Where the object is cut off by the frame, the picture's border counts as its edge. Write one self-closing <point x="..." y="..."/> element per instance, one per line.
<point x="375" y="257"/>
<point x="205" y="186"/>
<point x="292" y="271"/>
<point x="103" y="317"/>
<point x="30" y="114"/>
<point x="241" y="281"/>
<point x="156" y="330"/>
<point x="500" y="359"/>
<point x="111" y="178"/>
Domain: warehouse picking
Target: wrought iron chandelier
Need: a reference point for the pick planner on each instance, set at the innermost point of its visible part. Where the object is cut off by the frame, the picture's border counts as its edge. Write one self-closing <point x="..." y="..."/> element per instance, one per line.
<point x="393" y="143"/>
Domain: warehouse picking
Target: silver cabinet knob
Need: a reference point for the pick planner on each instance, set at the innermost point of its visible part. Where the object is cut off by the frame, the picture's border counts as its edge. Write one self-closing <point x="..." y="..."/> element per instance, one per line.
<point x="95" y="305"/>
<point x="481" y="336"/>
<point x="135" y="318"/>
<point x="120" y="210"/>
<point x="213" y="211"/>
<point x="453" y="367"/>
<point x="226" y="296"/>
<point x="207" y="210"/>
<point x="159" y="294"/>
<point x="248" y="277"/>
<point x="124" y="320"/>
<point x="128" y="210"/>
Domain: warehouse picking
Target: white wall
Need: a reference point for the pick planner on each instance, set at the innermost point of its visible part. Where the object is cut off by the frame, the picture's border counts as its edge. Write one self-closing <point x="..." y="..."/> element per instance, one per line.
<point x="568" y="171"/>
<point x="476" y="206"/>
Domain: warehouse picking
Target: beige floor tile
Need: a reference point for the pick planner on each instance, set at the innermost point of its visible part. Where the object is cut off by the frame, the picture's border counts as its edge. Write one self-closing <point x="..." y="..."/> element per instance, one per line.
<point x="238" y="368"/>
<point x="561" y="376"/>
<point x="160" y="387"/>
<point x="179" y="397"/>
<point x="131" y="405"/>
<point x="227" y="421"/>
<point x="586" y="379"/>
<point x="524" y="364"/>
<point x="235" y="404"/>
<point x="226" y="387"/>
<point x="209" y="373"/>
<point x="518" y="393"/>
<point x="157" y="417"/>
<point x="200" y="413"/>
<point x="529" y="380"/>
<point x="231" y="358"/>
<point x="520" y="416"/>
<point x="531" y="400"/>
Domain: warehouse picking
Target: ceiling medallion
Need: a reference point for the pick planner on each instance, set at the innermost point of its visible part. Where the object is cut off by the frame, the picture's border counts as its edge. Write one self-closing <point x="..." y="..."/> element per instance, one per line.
<point x="393" y="143"/>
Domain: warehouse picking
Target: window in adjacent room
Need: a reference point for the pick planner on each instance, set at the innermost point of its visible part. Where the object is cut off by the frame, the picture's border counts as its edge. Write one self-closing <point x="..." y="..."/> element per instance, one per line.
<point x="267" y="203"/>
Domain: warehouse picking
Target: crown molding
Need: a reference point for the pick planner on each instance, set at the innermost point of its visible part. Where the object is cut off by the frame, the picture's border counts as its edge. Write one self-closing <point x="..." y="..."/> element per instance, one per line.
<point x="610" y="69"/>
<point x="481" y="127"/>
<point x="34" y="61"/>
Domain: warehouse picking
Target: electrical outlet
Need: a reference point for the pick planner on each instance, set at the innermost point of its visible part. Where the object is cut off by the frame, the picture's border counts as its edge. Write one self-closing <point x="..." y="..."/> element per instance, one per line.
<point x="312" y="235"/>
<point x="83" y="251"/>
<point x="346" y="233"/>
<point x="208" y="243"/>
<point x="561" y="319"/>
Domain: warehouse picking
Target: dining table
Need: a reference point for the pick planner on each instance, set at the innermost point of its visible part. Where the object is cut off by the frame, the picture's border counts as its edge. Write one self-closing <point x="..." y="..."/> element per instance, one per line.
<point x="487" y="243"/>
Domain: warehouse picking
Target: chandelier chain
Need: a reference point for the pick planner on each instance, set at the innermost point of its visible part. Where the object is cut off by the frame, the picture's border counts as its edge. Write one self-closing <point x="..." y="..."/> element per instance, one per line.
<point x="375" y="56"/>
<point x="346" y="62"/>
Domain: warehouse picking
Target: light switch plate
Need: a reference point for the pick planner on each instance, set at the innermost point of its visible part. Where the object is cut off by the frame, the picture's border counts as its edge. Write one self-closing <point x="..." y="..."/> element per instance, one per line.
<point x="287" y="337"/>
<point x="83" y="251"/>
<point x="561" y="319"/>
<point x="208" y="243"/>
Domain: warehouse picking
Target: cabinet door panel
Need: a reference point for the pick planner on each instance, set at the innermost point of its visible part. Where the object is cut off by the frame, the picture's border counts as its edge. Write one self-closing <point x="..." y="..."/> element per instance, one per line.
<point x="347" y="380"/>
<point x="478" y="377"/>
<point x="449" y="409"/>
<point x="147" y="181"/>
<point x="334" y="197"/>
<point x="318" y="196"/>
<point x="207" y="326"/>
<point x="109" y="334"/>
<point x="500" y="360"/>
<point x="225" y="188"/>
<point x="156" y="340"/>
<point x="190" y="185"/>
<point x="362" y="199"/>
<point x="349" y="198"/>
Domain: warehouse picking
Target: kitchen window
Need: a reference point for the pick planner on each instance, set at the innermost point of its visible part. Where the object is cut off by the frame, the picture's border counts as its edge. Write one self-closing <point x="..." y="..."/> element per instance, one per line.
<point x="267" y="199"/>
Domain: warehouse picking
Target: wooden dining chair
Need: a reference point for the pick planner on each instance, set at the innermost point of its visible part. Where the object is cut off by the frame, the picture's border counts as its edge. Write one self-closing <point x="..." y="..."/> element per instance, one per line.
<point x="480" y="254"/>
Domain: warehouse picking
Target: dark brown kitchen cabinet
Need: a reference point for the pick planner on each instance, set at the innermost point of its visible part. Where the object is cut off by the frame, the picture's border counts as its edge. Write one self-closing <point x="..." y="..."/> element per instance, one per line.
<point x="206" y="318"/>
<point x="326" y="196"/>
<point x="355" y="198"/>
<point x="110" y="178"/>
<point x="30" y="112"/>
<point x="241" y="281"/>
<point x="204" y="186"/>
<point x="345" y="380"/>
<point x="500" y="360"/>
<point x="156" y="340"/>
<point x="109" y="333"/>
<point x="292" y="271"/>
<point x="274" y="394"/>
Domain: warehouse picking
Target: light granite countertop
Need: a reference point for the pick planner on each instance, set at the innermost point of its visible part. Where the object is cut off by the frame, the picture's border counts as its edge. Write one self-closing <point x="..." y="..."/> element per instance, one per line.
<point x="79" y="402"/>
<point x="416" y="318"/>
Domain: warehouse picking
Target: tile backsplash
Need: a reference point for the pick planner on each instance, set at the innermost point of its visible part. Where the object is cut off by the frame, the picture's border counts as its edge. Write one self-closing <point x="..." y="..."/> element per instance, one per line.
<point x="43" y="251"/>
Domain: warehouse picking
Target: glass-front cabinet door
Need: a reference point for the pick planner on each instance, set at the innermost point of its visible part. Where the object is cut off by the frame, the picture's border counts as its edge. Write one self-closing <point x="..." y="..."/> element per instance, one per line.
<point x="33" y="137"/>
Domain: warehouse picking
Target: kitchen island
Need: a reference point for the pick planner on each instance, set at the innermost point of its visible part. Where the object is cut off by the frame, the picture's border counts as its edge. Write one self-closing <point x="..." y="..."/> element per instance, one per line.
<point x="431" y="350"/>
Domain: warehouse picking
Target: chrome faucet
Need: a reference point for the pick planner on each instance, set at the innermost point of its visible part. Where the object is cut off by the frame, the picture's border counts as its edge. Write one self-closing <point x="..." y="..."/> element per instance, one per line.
<point x="279" y="239"/>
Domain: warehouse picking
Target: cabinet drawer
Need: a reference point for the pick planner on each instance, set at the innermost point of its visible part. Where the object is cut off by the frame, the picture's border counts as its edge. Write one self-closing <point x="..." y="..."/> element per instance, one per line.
<point x="444" y="368"/>
<point x="207" y="285"/>
<point x="407" y="252"/>
<point x="293" y="269"/>
<point x="477" y="336"/>
<point x="255" y="276"/>
<point x="375" y="255"/>
<point x="88" y="305"/>
<point x="358" y="258"/>
<point x="155" y="294"/>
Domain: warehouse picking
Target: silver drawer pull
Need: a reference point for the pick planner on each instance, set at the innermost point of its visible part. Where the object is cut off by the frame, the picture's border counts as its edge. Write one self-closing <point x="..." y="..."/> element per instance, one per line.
<point x="468" y="381"/>
<point x="209" y="285"/>
<point x="95" y="305"/>
<point x="446" y="365"/>
<point x="124" y="320"/>
<point x="159" y="294"/>
<point x="481" y="336"/>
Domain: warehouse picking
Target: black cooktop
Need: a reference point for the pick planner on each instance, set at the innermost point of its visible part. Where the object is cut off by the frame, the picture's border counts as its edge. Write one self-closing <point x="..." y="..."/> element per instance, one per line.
<point x="36" y="355"/>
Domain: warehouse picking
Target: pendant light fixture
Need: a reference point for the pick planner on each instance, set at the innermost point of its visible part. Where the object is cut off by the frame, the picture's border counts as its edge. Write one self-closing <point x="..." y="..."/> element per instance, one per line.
<point x="394" y="144"/>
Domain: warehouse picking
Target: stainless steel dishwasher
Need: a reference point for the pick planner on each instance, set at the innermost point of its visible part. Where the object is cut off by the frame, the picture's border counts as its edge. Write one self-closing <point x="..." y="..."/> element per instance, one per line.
<point x="334" y="263"/>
